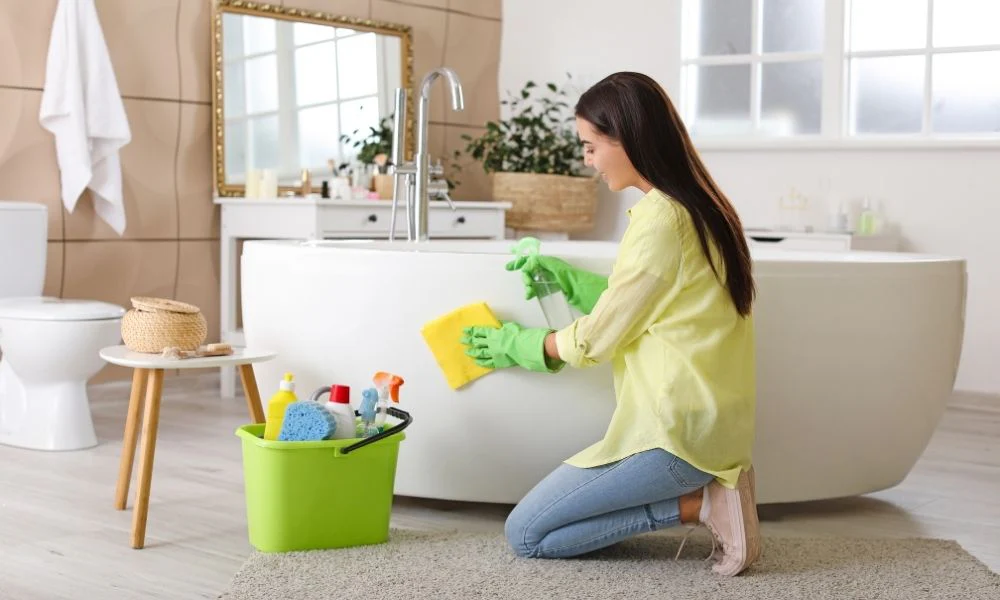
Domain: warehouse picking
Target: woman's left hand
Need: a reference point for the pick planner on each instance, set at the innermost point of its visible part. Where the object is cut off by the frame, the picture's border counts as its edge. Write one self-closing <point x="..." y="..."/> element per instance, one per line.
<point x="506" y="346"/>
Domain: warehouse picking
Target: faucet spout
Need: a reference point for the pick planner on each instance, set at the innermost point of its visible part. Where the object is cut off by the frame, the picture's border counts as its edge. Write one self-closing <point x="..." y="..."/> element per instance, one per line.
<point x="421" y="159"/>
<point x="454" y="85"/>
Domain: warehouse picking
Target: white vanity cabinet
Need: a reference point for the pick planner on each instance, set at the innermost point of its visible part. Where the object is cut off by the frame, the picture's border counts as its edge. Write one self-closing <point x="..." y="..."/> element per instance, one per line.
<point x="317" y="218"/>
<point x="820" y="241"/>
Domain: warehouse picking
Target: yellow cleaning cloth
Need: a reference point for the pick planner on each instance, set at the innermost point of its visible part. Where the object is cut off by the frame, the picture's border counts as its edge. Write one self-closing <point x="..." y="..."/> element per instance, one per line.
<point x="443" y="336"/>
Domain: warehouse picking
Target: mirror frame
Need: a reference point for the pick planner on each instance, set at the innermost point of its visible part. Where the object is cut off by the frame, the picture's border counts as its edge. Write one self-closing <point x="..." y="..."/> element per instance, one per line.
<point x="261" y="9"/>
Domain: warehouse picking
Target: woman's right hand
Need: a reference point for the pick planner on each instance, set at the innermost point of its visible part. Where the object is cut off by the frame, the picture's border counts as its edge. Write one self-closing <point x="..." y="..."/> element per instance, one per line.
<point x="538" y="267"/>
<point x="581" y="288"/>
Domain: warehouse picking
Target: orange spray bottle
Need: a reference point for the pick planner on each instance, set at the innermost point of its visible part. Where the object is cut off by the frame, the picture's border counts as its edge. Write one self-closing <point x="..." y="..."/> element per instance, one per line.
<point x="387" y="385"/>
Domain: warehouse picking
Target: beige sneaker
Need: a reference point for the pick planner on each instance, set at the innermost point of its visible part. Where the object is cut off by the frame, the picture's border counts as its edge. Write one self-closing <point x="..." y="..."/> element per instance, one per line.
<point x="731" y="516"/>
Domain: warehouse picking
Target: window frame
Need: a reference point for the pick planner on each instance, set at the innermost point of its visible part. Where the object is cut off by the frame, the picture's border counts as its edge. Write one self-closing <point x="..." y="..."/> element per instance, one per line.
<point x="835" y="102"/>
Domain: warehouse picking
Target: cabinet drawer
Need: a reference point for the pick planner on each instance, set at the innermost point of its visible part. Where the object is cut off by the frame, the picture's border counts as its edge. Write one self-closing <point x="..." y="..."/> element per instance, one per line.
<point x="373" y="222"/>
<point x="465" y="223"/>
<point x="779" y="241"/>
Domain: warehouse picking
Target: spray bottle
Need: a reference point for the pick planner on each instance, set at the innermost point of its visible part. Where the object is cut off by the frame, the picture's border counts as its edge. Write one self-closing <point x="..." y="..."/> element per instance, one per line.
<point x="369" y="406"/>
<point x="387" y="385"/>
<point x="555" y="307"/>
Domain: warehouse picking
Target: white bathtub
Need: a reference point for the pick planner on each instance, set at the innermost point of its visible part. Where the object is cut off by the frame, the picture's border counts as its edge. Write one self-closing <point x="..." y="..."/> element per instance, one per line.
<point x="856" y="357"/>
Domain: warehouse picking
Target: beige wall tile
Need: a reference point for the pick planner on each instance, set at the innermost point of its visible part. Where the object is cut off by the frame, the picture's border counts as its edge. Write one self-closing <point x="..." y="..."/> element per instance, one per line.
<point x="473" y="51"/>
<point x="431" y="3"/>
<point x="147" y="178"/>
<point x="142" y="41"/>
<point x="114" y="271"/>
<point x="53" y="269"/>
<point x="481" y="8"/>
<point x="475" y="183"/>
<point x="25" y="28"/>
<point x="195" y="50"/>
<point x="28" y="167"/>
<point x="198" y="281"/>
<point x="341" y="8"/>
<point x="198" y="216"/>
<point x="428" y="46"/>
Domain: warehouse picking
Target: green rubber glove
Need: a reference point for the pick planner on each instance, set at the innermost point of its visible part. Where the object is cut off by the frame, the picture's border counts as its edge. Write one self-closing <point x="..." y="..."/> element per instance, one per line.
<point x="582" y="288"/>
<point x="508" y="345"/>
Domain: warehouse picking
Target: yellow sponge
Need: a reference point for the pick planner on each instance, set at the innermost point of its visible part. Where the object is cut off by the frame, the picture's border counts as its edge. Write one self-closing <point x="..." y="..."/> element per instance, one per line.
<point x="443" y="336"/>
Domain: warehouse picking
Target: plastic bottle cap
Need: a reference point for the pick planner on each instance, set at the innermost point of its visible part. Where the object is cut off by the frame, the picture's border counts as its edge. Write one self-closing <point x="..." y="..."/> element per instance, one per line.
<point x="341" y="394"/>
<point x="287" y="383"/>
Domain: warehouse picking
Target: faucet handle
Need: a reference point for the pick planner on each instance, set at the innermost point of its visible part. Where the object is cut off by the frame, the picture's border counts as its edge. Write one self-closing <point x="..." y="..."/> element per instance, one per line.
<point x="436" y="170"/>
<point x="447" y="198"/>
<point x="439" y="189"/>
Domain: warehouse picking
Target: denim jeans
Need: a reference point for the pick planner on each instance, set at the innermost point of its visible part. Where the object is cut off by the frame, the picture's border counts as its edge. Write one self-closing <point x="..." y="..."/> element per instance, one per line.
<point x="573" y="511"/>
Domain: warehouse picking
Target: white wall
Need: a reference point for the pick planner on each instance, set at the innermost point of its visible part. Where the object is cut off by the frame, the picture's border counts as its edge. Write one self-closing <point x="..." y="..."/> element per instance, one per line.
<point x="943" y="201"/>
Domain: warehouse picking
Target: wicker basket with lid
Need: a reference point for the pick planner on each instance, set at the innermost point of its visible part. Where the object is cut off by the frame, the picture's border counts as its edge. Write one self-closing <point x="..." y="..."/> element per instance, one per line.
<point x="157" y="323"/>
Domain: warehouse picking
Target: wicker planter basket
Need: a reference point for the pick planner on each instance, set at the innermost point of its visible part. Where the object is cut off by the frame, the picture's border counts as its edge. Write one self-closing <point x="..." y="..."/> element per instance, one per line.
<point x="547" y="202"/>
<point x="157" y="323"/>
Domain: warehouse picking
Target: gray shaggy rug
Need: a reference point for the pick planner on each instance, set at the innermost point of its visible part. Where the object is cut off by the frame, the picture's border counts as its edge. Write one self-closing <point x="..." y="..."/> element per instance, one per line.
<point x="464" y="566"/>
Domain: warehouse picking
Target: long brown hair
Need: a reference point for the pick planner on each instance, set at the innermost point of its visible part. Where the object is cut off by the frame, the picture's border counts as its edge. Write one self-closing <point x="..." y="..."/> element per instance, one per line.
<point x="633" y="110"/>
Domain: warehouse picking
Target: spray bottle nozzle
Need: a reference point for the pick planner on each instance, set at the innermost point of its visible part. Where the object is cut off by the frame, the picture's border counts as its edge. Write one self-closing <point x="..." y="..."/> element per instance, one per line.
<point x="387" y="381"/>
<point x="526" y="246"/>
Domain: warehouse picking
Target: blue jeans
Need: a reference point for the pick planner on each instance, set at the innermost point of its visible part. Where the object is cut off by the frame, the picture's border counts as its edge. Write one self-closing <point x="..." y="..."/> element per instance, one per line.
<point x="573" y="511"/>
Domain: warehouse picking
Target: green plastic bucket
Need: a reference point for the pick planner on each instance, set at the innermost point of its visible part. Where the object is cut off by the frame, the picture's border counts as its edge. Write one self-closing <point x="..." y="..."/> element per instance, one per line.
<point x="317" y="495"/>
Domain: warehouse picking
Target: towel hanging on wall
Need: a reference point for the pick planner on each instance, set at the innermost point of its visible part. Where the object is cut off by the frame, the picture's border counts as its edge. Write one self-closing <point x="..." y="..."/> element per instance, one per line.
<point x="82" y="108"/>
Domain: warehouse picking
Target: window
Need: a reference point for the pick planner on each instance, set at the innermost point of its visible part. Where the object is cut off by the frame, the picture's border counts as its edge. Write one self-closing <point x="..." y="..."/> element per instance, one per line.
<point x="834" y="69"/>
<point x="293" y="88"/>
<point x="923" y="67"/>
<point x="753" y="66"/>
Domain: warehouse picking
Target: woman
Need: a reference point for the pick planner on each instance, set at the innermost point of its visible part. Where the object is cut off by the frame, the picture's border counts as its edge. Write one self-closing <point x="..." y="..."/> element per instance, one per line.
<point x="675" y="320"/>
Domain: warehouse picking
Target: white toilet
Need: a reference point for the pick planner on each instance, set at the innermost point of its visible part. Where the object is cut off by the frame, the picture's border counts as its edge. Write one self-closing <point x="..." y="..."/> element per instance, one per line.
<point x="48" y="346"/>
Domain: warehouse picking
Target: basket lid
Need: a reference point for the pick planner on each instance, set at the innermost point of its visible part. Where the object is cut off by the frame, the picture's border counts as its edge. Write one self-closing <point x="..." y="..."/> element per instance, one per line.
<point x="154" y="304"/>
<point x="44" y="308"/>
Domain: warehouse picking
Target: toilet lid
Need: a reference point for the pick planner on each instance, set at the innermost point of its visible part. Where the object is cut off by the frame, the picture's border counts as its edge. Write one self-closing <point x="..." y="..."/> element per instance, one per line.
<point x="44" y="308"/>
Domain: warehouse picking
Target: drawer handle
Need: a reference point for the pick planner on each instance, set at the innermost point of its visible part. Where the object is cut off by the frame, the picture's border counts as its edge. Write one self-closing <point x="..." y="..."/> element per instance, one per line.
<point x="766" y="238"/>
<point x="460" y="220"/>
<point x="372" y="218"/>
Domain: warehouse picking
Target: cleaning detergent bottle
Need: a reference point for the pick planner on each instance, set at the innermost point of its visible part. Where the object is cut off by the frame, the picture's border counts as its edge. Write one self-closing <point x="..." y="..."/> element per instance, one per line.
<point x="340" y="406"/>
<point x="276" y="407"/>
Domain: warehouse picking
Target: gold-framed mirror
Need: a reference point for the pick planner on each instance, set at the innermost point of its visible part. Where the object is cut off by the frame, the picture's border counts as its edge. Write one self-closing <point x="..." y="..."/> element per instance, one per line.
<point x="288" y="84"/>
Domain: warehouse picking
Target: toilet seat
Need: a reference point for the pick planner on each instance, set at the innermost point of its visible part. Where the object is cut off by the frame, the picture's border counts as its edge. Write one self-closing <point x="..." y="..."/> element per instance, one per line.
<point x="45" y="308"/>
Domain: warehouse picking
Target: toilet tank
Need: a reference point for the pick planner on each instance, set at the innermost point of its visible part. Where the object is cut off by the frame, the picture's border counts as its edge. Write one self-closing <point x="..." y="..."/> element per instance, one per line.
<point x="23" y="239"/>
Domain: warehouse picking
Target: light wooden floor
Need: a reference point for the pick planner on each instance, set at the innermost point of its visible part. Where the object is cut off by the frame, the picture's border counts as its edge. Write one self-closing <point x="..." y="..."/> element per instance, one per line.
<point x="61" y="538"/>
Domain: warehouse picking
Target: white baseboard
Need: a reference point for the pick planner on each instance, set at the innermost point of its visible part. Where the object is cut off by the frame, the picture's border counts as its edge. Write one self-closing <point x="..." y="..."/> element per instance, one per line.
<point x="975" y="400"/>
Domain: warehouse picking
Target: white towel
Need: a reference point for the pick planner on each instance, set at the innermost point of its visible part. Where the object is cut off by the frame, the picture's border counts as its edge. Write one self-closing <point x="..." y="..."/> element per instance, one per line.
<point x="82" y="108"/>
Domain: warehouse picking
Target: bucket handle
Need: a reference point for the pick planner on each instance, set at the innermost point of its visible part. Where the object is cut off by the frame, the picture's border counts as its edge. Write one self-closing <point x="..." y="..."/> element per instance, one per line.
<point x="399" y="414"/>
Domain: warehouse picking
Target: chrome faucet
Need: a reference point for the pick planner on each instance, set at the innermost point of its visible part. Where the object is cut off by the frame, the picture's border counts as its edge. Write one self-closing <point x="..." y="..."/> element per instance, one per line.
<point x="412" y="180"/>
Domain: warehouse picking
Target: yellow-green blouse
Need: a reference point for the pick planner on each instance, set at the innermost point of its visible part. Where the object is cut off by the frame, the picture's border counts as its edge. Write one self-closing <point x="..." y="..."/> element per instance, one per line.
<point x="682" y="356"/>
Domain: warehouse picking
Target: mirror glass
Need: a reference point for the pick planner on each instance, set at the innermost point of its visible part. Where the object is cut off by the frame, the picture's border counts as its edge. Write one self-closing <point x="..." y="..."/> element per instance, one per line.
<point x="293" y="90"/>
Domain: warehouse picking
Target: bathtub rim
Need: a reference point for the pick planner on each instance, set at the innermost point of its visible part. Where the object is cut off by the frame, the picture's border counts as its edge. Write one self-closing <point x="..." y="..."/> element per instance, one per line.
<point x="502" y="248"/>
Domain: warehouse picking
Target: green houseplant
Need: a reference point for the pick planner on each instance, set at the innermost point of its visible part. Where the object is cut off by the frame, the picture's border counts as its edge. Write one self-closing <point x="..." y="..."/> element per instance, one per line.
<point x="375" y="148"/>
<point x="377" y="141"/>
<point x="536" y="161"/>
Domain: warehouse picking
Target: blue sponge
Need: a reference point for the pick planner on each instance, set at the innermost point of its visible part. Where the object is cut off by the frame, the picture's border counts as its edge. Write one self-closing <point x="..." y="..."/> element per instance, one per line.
<point x="307" y="421"/>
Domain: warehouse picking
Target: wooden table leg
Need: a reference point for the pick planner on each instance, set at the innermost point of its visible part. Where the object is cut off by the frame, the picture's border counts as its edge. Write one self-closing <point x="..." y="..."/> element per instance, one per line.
<point x="252" y="393"/>
<point x="150" y="421"/>
<point x="131" y="435"/>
